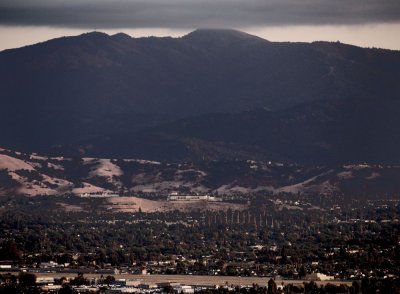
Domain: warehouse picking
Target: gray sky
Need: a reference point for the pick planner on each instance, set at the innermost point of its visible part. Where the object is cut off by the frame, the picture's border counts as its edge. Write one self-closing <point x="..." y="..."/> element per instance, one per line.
<point x="361" y="22"/>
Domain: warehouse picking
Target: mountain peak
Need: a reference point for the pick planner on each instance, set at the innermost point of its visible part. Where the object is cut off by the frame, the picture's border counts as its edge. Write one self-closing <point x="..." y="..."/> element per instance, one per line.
<point x="121" y="36"/>
<point x="94" y="34"/>
<point x="222" y="35"/>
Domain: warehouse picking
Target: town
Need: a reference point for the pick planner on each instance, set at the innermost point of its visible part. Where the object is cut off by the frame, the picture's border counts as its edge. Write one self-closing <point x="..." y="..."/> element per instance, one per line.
<point x="79" y="283"/>
<point x="284" y="239"/>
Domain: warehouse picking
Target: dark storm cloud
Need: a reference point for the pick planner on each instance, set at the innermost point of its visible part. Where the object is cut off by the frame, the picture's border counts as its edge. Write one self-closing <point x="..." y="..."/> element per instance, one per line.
<point x="195" y="13"/>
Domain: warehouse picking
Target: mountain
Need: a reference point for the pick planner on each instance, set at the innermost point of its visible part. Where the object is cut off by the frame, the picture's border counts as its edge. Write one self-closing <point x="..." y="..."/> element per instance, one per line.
<point x="338" y="132"/>
<point x="33" y="174"/>
<point x="217" y="94"/>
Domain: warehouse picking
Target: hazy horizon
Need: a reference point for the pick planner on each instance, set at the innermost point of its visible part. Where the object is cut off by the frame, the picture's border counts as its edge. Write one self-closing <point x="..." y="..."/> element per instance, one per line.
<point x="379" y="36"/>
<point x="365" y="23"/>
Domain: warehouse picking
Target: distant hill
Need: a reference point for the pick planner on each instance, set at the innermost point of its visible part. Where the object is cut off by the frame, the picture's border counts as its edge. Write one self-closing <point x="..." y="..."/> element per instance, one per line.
<point x="343" y="131"/>
<point x="33" y="174"/>
<point x="216" y="94"/>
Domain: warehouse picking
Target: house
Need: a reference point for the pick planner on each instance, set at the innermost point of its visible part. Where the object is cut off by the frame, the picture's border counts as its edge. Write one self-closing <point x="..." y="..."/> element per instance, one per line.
<point x="45" y="280"/>
<point x="175" y="197"/>
<point x="184" y="289"/>
<point x="319" y="277"/>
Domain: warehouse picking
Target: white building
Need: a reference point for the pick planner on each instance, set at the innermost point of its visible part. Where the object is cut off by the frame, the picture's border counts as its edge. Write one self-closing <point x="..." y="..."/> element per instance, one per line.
<point x="99" y="195"/>
<point x="184" y="289"/>
<point x="176" y="197"/>
<point x="319" y="277"/>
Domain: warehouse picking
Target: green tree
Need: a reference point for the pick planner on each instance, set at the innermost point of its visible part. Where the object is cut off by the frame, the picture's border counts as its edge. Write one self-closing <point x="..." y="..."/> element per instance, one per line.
<point x="79" y="280"/>
<point x="27" y="279"/>
<point x="272" y="288"/>
<point x="65" y="289"/>
<point x="302" y="271"/>
<point x="109" y="279"/>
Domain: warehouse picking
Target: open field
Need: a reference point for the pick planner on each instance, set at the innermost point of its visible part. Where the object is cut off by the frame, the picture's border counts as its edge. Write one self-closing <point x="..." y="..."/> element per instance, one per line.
<point x="132" y="204"/>
<point x="196" y="280"/>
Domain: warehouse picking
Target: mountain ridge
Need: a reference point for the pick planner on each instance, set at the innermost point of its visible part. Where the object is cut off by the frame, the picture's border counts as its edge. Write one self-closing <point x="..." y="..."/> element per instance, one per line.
<point x="78" y="89"/>
<point x="319" y="133"/>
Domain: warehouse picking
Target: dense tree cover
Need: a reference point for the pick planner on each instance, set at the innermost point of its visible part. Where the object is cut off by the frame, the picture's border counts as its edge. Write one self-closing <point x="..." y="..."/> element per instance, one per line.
<point x="24" y="283"/>
<point x="230" y="97"/>
<point x="262" y="240"/>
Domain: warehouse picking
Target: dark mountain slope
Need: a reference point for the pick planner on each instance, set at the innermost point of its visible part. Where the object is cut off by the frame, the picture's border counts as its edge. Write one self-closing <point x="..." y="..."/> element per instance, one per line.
<point x="333" y="132"/>
<point x="76" y="89"/>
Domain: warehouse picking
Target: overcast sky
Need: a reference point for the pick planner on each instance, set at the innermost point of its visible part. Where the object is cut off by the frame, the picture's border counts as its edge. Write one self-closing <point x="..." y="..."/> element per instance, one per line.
<point x="361" y="22"/>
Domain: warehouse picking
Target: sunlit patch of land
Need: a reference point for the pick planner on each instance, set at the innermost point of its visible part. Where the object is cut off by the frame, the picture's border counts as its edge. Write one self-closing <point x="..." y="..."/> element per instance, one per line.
<point x="134" y="204"/>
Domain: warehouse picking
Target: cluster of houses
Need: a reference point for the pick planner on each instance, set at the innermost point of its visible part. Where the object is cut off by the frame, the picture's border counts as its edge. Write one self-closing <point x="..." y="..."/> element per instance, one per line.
<point x="99" y="195"/>
<point x="174" y="196"/>
<point x="101" y="284"/>
<point x="96" y="285"/>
